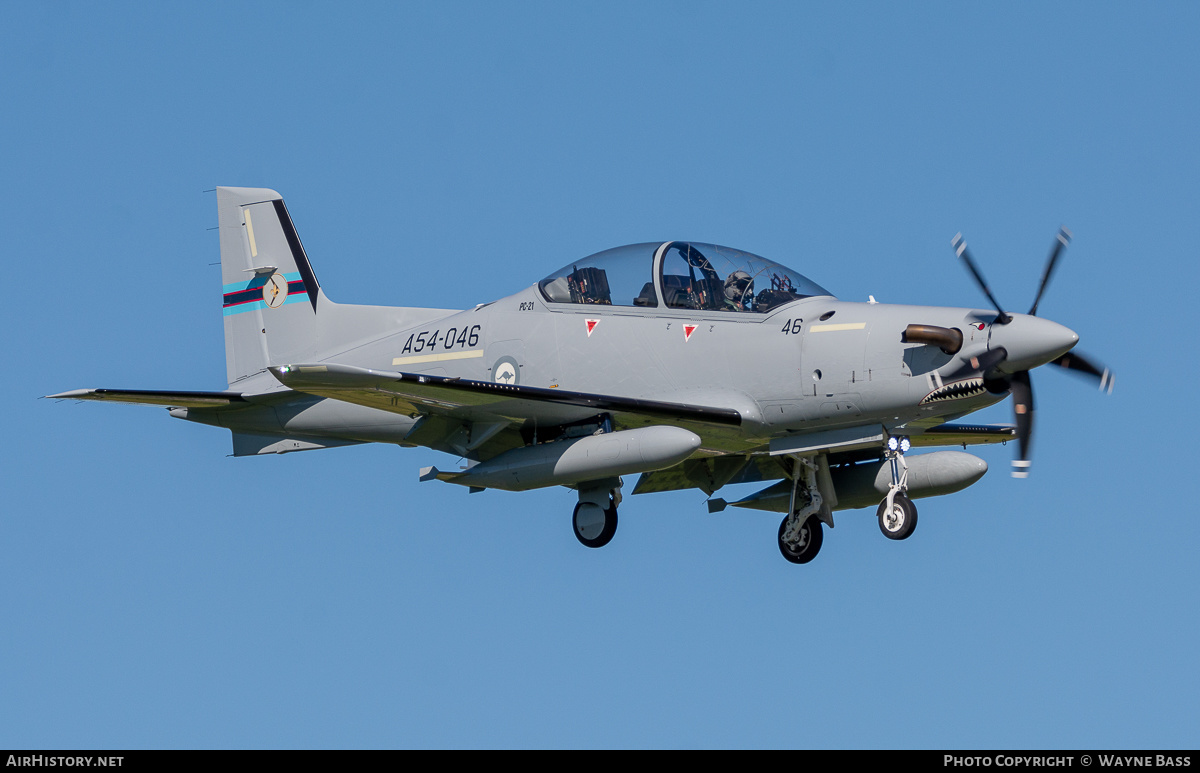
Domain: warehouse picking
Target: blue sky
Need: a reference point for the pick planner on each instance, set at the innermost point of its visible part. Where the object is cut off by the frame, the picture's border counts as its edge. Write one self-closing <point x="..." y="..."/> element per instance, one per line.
<point x="157" y="593"/>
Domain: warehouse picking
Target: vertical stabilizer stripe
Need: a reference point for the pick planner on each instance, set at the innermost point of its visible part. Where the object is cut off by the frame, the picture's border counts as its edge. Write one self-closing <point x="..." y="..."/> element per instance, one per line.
<point x="248" y="295"/>
<point x="293" y="239"/>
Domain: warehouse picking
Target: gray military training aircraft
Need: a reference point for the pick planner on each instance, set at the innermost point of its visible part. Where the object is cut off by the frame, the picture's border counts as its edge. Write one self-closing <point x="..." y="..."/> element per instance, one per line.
<point x="695" y="365"/>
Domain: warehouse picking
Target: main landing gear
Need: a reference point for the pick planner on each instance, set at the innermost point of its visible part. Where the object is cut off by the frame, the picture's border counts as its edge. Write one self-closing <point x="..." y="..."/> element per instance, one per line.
<point x="801" y="534"/>
<point x="595" y="517"/>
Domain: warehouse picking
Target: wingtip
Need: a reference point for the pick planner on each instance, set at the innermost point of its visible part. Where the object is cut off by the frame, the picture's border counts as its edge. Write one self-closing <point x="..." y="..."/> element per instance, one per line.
<point x="71" y="394"/>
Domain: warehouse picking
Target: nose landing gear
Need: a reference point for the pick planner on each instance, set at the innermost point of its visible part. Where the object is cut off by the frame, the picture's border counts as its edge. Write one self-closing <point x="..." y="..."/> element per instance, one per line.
<point x="897" y="514"/>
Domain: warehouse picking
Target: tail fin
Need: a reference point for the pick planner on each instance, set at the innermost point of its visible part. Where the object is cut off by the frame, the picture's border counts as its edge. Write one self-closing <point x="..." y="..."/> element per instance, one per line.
<point x="271" y="296"/>
<point x="275" y="312"/>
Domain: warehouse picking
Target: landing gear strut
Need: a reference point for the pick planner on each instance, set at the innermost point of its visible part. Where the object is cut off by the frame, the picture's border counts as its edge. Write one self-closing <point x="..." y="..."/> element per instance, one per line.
<point x="595" y="517"/>
<point x="800" y="534"/>
<point x="897" y="514"/>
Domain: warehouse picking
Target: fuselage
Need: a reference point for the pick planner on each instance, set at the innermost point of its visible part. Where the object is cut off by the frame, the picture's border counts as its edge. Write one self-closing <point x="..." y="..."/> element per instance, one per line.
<point x="814" y="363"/>
<point x="676" y="323"/>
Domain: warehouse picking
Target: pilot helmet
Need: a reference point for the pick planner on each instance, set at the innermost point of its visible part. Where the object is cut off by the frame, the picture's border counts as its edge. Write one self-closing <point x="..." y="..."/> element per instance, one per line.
<point x="739" y="287"/>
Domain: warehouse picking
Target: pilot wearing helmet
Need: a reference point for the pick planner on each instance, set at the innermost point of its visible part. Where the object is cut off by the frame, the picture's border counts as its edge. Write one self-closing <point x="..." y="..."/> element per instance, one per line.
<point x="739" y="291"/>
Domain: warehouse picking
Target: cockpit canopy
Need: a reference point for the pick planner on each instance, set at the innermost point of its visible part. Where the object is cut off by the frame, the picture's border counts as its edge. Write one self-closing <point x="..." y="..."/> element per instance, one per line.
<point x="690" y="275"/>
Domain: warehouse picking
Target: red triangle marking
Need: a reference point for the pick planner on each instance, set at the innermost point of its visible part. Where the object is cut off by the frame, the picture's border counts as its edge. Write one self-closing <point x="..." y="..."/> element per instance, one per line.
<point x="687" y="331"/>
<point x="591" y="325"/>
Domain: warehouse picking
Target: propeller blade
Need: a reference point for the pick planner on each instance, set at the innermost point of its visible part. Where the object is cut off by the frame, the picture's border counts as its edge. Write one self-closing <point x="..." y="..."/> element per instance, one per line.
<point x="978" y="365"/>
<point x="1022" y="392"/>
<point x="1064" y="238"/>
<point x="960" y="249"/>
<point x="1079" y="363"/>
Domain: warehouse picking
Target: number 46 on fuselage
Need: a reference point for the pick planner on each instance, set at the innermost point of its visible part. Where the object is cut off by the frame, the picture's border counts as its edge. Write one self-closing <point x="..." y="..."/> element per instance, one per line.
<point x="695" y="365"/>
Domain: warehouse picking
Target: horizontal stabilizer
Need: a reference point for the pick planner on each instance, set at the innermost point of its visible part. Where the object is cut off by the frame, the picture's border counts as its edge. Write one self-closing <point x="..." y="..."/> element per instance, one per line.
<point x="146" y="397"/>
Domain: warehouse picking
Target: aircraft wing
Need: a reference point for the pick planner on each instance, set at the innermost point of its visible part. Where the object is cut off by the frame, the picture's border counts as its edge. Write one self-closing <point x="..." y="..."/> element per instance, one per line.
<point x="485" y="401"/>
<point x="145" y="397"/>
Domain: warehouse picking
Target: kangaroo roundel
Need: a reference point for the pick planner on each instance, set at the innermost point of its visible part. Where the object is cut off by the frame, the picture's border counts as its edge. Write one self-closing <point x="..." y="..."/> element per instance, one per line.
<point x="506" y="371"/>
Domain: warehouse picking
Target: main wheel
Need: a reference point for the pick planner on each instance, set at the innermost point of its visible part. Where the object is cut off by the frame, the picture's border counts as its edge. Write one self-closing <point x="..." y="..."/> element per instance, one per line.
<point x="594" y="526"/>
<point x="808" y="545"/>
<point x="900" y="521"/>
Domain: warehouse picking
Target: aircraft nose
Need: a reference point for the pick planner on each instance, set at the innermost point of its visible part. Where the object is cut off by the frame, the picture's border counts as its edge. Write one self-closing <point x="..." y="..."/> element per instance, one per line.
<point x="1032" y="341"/>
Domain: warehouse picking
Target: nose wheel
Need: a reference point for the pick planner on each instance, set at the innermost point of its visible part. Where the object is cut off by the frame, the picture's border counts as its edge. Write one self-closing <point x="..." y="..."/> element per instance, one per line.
<point x="898" y="518"/>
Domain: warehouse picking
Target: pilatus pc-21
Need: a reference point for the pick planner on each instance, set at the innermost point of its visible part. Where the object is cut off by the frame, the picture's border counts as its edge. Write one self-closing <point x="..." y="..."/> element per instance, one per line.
<point x="693" y="365"/>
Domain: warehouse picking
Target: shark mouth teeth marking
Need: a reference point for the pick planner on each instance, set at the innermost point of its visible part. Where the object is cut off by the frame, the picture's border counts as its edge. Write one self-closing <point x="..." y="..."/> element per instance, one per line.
<point x="959" y="390"/>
